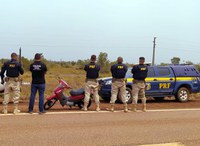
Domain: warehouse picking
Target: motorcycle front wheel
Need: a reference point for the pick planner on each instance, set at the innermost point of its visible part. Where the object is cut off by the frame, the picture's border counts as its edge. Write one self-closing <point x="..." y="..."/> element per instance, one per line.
<point x="49" y="104"/>
<point x="81" y="104"/>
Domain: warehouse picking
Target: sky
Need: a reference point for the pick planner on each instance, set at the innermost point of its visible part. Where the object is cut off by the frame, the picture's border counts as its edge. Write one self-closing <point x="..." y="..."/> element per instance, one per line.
<point x="69" y="30"/>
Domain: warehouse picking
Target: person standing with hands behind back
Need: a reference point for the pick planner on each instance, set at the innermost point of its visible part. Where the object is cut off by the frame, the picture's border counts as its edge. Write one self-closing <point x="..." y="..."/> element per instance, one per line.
<point x="38" y="70"/>
<point x="118" y="83"/>
<point x="92" y="73"/>
<point x="13" y="69"/>
<point x="139" y="75"/>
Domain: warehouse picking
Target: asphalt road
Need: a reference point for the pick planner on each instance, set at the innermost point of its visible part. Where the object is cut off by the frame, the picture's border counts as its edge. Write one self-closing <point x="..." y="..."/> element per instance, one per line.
<point x="104" y="128"/>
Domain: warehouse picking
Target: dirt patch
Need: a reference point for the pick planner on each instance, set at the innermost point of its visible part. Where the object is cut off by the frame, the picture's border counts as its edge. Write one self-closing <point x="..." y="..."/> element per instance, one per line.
<point x="151" y="104"/>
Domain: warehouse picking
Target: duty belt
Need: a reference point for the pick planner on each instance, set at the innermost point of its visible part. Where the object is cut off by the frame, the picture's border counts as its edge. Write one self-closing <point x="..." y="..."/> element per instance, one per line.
<point x="88" y="79"/>
<point x="16" y="79"/>
<point x="138" y="81"/>
<point x="115" y="79"/>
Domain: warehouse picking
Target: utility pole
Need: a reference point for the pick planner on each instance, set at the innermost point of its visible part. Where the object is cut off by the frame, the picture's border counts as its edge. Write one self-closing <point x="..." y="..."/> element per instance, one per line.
<point x="20" y="55"/>
<point x="154" y="47"/>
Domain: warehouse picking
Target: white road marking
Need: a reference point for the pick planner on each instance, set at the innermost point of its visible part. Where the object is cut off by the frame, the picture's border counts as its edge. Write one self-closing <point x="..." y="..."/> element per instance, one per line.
<point x="172" y="110"/>
<point x="165" y="144"/>
<point x="57" y="113"/>
<point x="103" y="111"/>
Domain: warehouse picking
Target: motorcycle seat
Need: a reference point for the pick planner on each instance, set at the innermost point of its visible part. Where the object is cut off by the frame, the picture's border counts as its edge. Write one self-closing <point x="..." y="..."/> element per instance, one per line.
<point x="77" y="92"/>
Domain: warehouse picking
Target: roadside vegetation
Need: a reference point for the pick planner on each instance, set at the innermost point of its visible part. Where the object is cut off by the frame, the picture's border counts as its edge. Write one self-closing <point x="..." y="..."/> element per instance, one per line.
<point x="71" y="71"/>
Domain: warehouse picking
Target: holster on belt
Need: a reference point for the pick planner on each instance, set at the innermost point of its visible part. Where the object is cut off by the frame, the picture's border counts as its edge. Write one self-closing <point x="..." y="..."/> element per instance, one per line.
<point x="6" y="79"/>
<point x="20" y="79"/>
<point x="16" y="79"/>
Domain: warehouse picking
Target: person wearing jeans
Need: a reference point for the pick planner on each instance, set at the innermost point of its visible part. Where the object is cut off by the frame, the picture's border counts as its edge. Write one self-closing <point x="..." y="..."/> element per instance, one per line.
<point x="34" y="88"/>
<point x="38" y="70"/>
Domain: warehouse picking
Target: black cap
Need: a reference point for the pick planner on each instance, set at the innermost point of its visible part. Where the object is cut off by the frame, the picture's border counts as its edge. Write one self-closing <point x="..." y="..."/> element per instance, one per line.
<point x="142" y="58"/>
<point x="13" y="55"/>
<point x="93" y="58"/>
<point x="38" y="56"/>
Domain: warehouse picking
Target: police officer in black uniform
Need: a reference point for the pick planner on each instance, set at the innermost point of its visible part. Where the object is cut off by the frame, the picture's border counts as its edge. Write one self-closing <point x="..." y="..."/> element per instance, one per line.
<point x="139" y="75"/>
<point x="118" y="83"/>
<point x="92" y="73"/>
<point x="13" y="70"/>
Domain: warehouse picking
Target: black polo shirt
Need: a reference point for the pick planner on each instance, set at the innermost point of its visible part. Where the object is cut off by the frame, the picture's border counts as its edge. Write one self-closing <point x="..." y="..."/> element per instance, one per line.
<point x="38" y="70"/>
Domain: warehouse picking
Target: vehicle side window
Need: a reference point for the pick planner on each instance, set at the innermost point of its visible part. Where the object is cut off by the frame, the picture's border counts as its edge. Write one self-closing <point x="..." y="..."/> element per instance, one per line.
<point x="163" y="71"/>
<point x="151" y="72"/>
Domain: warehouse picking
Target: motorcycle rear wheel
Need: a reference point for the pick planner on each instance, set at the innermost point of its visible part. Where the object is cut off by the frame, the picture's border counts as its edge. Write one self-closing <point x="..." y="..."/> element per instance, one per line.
<point x="50" y="103"/>
<point x="81" y="104"/>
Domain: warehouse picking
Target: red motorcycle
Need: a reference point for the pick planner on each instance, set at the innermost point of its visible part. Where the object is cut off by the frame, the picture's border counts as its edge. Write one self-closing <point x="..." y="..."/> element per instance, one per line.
<point x="76" y="97"/>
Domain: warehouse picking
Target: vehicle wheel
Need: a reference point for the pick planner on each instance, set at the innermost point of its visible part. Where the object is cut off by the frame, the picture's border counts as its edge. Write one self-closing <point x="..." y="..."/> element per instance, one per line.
<point x="49" y="103"/>
<point x="128" y="96"/>
<point x="159" y="98"/>
<point x="81" y="104"/>
<point x="183" y="94"/>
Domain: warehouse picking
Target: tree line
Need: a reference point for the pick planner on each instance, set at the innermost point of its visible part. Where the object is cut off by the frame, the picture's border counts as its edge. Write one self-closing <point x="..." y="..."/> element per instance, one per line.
<point x="102" y="60"/>
<point x="176" y="60"/>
